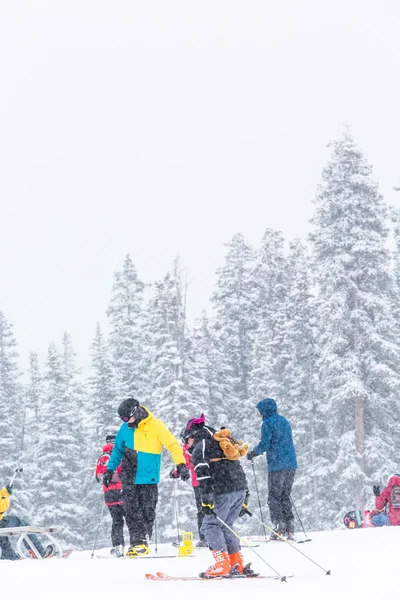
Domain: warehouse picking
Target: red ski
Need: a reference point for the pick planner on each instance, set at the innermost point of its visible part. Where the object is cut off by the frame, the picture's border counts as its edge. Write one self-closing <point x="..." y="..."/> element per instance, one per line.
<point x="164" y="577"/>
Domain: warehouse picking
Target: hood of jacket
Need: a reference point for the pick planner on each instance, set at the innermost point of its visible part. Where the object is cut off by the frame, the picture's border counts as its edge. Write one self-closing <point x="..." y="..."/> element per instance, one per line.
<point x="267" y="407"/>
<point x="108" y="448"/>
<point x="394" y="480"/>
<point x="203" y="433"/>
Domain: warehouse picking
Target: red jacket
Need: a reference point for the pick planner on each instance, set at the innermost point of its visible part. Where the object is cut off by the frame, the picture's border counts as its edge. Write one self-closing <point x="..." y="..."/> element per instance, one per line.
<point x="112" y="493"/>
<point x="386" y="497"/>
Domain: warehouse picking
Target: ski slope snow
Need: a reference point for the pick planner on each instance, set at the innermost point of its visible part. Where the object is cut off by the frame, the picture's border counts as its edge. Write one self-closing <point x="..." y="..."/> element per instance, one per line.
<point x="364" y="563"/>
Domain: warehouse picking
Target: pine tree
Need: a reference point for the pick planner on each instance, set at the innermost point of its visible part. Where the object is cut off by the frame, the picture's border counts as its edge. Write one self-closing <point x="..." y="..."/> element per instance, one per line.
<point x="101" y="418"/>
<point x="359" y="360"/>
<point x="270" y="282"/>
<point x="210" y="373"/>
<point x="60" y="449"/>
<point x="235" y="322"/>
<point x="171" y="376"/>
<point x="13" y="410"/>
<point x="300" y="385"/>
<point x="34" y="399"/>
<point x="125" y="313"/>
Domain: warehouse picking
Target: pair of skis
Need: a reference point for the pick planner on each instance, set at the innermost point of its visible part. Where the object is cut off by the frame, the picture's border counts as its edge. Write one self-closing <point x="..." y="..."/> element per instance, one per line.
<point x="164" y="577"/>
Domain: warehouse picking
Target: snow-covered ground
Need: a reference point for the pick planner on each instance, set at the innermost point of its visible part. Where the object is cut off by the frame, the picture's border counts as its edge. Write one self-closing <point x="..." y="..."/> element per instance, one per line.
<point x="364" y="563"/>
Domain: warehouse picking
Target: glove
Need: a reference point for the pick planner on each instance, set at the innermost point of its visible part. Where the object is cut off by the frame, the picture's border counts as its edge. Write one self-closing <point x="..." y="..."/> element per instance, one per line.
<point x="377" y="490"/>
<point x="207" y="504"/>
<point x="244" y="510"/>
<point x="9" y="489"/>
<point x="182" y="471"/>
<point x="174" y="473"/>
<point x="107" y="477"/>
<point x="250" y="455"/>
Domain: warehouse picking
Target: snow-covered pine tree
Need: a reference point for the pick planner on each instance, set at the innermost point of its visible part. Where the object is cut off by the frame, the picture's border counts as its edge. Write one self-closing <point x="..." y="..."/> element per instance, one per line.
<point x="211" y="372"/>
<point x="300" y="384"/>
<point x="359" y="356"/>
<point x="171" y="377"/>
<point x="270" y="283"/>
<point x="125" y="314"/>
<point x="235" y="323"/>
<point x="101" y="419"/>
<point x="34" y="399"/>
<point x="13" y="412"/>
<point x="60" y="450"/>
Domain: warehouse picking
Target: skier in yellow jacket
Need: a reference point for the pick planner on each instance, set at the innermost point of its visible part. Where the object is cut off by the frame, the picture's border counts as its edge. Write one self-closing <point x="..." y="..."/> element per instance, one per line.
<point x="138" y="446"/>
<point x="7" y="552"/>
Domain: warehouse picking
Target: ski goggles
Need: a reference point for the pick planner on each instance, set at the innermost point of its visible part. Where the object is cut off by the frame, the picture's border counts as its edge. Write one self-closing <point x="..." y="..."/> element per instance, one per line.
<point x="125" y="419"/>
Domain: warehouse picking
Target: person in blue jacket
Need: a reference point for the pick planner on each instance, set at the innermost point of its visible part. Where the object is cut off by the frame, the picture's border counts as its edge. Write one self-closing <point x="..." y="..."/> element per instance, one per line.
<point x="277" y="442"/>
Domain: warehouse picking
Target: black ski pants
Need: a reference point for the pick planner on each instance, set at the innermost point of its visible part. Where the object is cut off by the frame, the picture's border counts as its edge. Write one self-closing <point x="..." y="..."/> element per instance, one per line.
<point x="200" y="514"/>
<point x="140" y="503"/>
<point x="117" y="527"/>
<point x="279" y="490"/>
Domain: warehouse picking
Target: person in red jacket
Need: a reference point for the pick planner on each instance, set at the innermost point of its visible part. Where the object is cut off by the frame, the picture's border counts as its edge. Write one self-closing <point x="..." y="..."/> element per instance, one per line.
<point x="113" y="497"/>
<point x="390" y="496"/>
<point x="187" y="444"/>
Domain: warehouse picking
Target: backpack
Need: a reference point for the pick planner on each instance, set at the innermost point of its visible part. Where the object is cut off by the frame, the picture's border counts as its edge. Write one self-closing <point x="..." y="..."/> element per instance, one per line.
<point x="233" y="449"/>
<point x="395" y="496"/>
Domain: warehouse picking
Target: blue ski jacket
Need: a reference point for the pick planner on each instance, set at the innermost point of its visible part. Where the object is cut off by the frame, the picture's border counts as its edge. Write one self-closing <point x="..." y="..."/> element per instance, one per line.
<point x="276" y="438"/>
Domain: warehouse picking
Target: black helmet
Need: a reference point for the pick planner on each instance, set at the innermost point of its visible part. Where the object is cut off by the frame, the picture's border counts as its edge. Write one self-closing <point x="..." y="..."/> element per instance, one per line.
<point x="110" y="438"/>
<point x="128" y="408"/>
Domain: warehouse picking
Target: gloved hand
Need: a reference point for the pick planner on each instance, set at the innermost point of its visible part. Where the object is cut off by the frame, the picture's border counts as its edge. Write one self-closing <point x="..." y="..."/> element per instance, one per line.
<point x="207" y="504"/>
<point x="174" y="473"/>
<point x="183" y="471"/>
<point x="377" y="490"/>
<point x="107" y="477"/>
<point x="244" y="510"/>
<point x="9" y="489"/>
<point x="250" y="455"/>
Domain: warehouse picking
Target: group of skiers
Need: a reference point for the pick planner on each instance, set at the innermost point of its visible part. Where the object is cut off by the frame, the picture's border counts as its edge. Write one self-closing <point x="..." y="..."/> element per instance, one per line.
<point x="129" y="470"/>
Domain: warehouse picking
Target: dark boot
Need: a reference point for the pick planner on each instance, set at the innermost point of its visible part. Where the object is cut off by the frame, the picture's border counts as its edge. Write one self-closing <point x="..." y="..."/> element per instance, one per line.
<point x="279" y="528"/>
<point x="290" y="530"/>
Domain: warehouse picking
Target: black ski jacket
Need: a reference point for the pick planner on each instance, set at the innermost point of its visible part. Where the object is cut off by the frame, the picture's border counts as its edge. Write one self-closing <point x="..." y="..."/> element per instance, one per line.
<point x="213" y="470"/>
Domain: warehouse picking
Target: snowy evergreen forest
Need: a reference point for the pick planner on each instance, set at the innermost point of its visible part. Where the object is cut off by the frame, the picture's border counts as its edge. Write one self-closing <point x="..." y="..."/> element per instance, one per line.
<point x="313" y="323"/>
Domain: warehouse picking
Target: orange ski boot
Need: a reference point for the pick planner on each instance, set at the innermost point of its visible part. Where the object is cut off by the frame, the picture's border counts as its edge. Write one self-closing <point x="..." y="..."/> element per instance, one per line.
<point x="238" y="568"/>
<point x="236" y="561"/>
<point x="221" y="568"/>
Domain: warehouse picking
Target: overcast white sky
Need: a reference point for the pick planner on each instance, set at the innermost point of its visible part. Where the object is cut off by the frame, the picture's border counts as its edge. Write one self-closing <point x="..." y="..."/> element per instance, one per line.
<point x="159" y="128"/>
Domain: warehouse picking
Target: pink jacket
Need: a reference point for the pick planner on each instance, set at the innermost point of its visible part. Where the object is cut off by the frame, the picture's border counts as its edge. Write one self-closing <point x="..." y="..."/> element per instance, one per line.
<point x="386" y="497"/>
<point x="189" y="464"/>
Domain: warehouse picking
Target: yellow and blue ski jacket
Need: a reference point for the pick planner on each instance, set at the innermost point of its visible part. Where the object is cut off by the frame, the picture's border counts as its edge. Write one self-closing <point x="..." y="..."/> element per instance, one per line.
<point x="4" y="501"/>
<point x="147" y="439"/>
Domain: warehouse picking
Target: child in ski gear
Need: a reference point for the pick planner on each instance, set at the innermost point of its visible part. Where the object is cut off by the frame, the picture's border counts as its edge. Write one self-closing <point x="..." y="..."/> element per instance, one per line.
<point x="138" y="445"/>
<point x="7" y="552"/>
<point x="277" y="442"/>
<point x="112" y="497"/>
<point x="187" y="444"/>
<point x="390" y="496"/>
<point x="223" y="487"/>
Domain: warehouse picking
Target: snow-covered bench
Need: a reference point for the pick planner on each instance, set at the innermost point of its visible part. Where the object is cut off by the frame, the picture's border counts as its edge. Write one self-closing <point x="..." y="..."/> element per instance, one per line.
<point x="23" y="533"/>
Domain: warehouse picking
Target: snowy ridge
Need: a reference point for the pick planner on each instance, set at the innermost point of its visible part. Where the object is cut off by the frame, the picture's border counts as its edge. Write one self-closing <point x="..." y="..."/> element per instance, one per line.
<point x="363" y="563"/>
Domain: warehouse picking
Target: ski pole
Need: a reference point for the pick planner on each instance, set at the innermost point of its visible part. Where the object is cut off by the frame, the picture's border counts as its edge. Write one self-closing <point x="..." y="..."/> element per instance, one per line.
<point x="177" y="511"/>
<point x="98" y="526"/>
<point x="301" y="524"/>
<point x="155" y="535"/>
<point x="292" y="545"/>
<point x="281" y="577"/>
<point x="19" y="470"/>
<point x="258" y="494"/>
